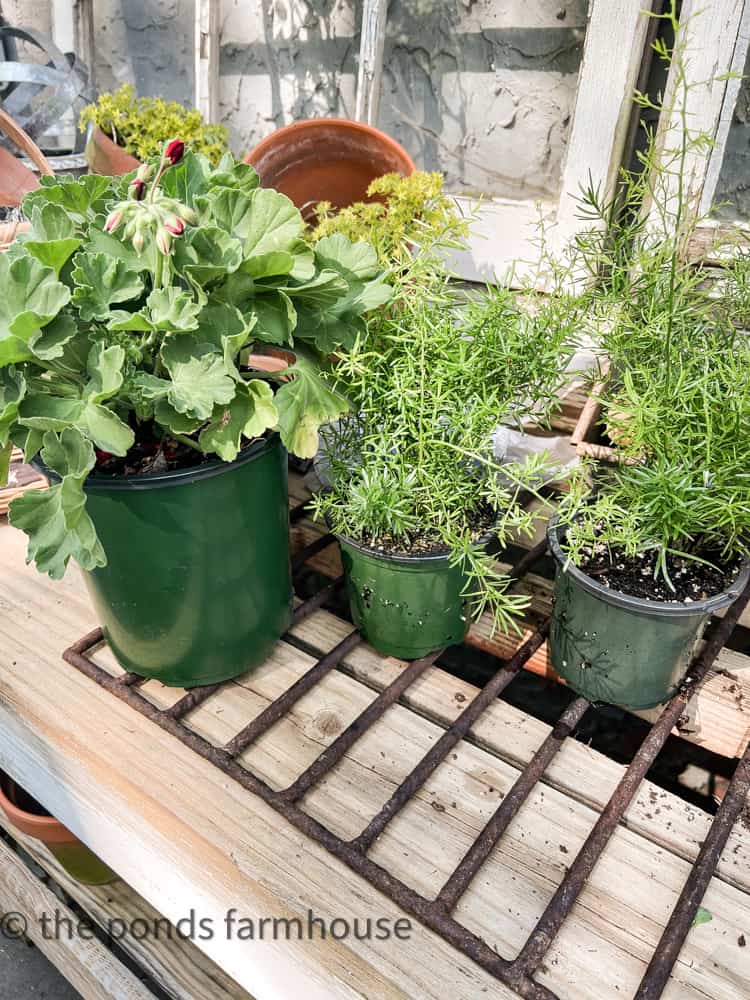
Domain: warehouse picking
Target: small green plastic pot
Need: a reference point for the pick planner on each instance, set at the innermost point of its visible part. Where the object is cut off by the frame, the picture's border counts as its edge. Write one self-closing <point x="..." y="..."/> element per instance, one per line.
<point x="405" y="606"/>
<point x="197" y="586"/>
<point x="627" y="651"/>
<point x="27" y="816"/>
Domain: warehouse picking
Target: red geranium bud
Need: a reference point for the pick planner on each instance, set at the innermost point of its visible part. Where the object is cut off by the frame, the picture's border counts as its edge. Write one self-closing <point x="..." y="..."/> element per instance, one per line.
<point x="174" y="224"/>
<point x="139" y="190"/>
<point x="102" y="456"/>
<point x="113" y="221"/>
<point x="175" y="151"/>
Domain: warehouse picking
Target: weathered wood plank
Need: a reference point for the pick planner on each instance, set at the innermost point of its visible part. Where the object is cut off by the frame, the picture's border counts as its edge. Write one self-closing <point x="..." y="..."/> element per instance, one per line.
<point x="90" y="967"/>
<point x="173" y="962"/>
<point x="181" y="833"/>
<point x="369" y="75"/>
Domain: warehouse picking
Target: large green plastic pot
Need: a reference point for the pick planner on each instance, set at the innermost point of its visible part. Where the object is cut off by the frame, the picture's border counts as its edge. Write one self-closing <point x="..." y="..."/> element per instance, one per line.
<point x="405" y="606"/>
<point x="627" y="651"/>
<point x="197" y="586"/>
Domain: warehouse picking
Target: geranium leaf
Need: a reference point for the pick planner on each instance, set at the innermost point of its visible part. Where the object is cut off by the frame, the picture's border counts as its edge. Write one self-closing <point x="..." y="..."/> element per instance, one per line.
<point x="102" y="281"/>
<point x="326" y="289"/>
<point x="207" y="253"/>
<point x="28" y="440"/>
<point x="228" y="210"/>
<point x="5" y="452"/>
<point x="81" y="197"/>
<point x="178" y="423"/>
<point x="337" y="252"/>
<point x="121" y="319"/>
<point x="276" y="318"/>
<point x="106" y="429"/>
<point x="49" y="342"/>
<point x="249" y="414"/>
<point x="54" y="254"/>
<point x="267" y="265"/>
<point x="104" y="366"/>
<point x="12" y="391"/>
<point x="226" y="328"/>
<point x="55" y="519"/>
<point x="30" y="296"/>
<point x="199" y="377"/>
<point x="304" y="404"/>
<point x="188" y="179"/>
<point x="172" y="309"/>
<point x="304" y="261"/>
<point x="231" y="174"/>
<point x="275" y="223"/>
<point x="43" y="412"/>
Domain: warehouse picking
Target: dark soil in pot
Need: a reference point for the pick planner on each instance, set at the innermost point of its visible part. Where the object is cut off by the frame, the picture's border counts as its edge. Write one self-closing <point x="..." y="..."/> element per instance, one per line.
<point x="625" y="649"/>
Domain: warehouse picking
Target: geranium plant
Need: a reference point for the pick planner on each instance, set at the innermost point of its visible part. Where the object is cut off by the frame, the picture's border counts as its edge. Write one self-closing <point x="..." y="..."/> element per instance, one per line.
<point x="127" y="325"/>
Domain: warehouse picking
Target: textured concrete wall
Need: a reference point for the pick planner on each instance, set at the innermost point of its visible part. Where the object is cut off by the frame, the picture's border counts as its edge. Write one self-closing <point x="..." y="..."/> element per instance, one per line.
<point x="733" y="188"/>
<point x="481" y="89"/>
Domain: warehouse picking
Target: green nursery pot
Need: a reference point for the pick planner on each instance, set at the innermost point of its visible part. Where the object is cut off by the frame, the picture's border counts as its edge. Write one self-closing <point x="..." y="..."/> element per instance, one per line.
<point x="627" y="651"/>
<point x="405" y="606"/>
<point x="27" y="816"/>
<point x="197" y="586"/>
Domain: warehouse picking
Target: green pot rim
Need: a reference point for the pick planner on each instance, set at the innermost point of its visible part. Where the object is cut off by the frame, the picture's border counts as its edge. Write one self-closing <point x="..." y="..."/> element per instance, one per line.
<point x="640" y="605"/>
<point x="173" y="477"/>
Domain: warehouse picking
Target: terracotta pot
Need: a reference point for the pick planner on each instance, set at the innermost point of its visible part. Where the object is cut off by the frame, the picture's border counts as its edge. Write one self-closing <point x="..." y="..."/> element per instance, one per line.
<point x="327" y="159"/>
<point x="105" y="157"/>
<point x="27" y="816"/>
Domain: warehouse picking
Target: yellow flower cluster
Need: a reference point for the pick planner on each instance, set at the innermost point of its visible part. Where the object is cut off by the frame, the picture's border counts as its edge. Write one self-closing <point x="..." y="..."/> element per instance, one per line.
<point x="141" y="125"/>
<point x="409" y="210"/>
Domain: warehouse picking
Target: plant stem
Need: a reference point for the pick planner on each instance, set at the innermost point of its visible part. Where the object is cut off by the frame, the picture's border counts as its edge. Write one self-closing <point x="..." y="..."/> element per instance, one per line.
<point x="184" y="439"/>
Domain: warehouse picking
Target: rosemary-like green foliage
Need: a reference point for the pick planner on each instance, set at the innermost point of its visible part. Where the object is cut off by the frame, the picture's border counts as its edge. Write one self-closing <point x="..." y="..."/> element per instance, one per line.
<point x="410" y="210"/>
<point x="141" y="125"/>
<point x="677" y="397"/>
<point x="414" y="465"/>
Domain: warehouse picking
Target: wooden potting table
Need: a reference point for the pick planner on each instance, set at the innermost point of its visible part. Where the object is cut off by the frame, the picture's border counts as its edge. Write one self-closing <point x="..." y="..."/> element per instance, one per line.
<point x="185" y="838"/>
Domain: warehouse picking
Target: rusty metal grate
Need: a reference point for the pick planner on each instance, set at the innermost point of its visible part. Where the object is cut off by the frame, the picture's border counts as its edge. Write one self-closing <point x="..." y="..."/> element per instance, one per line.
<point x="437" y="913"/>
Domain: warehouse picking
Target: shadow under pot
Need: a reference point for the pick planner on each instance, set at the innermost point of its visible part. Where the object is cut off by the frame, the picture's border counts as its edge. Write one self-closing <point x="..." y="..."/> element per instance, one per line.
<point x="623" y="650"/>
<point x="28" y="817"/>
<point x="197" y="587"/>
<point x="405" y="605"/>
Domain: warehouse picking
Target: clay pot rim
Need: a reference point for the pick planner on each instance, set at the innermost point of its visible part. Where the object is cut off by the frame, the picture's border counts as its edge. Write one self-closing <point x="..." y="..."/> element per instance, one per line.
<point x="100" y="138"/>
<point x="309" y="124"/>
<point x="45" y="828"/>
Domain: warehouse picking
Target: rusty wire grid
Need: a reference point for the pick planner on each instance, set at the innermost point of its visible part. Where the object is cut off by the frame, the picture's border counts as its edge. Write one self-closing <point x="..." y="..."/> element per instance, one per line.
<point x="437" y="913"/>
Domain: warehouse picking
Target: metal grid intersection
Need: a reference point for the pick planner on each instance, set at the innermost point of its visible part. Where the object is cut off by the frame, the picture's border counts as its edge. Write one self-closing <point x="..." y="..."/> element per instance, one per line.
<point x="437" y="913"/>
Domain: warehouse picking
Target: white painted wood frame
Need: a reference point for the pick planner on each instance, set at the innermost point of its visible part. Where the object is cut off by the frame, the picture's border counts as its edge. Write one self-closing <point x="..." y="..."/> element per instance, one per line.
<point x="716" y="39"/>
<point x="207" y="23"/>
<point x="369" y="76"/>
<point x="613" y="52"/>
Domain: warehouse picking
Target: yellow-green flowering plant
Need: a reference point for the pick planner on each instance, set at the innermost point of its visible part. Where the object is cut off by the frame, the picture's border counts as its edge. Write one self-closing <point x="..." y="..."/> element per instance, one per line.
<point x="141" y="125"/>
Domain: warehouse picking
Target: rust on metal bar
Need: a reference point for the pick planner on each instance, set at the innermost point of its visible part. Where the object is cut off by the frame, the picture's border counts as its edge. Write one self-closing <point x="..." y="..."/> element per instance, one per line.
<point x="403" y="895"/>
<point x="437" y="914"/>
<point x="195" y="697"/>
<point x="457" y="883"/>
<point x="458" y="730"/>
<point x="314" y="603"/>
<point x="277" y="709"/>
<point x="527" y="560"/>
<point x="311" y="550"/>
<point x="538" y="943"/>
<point x="298" y="512"/>
<point x="346" y="739"/>
<point x="661" y="965"/>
